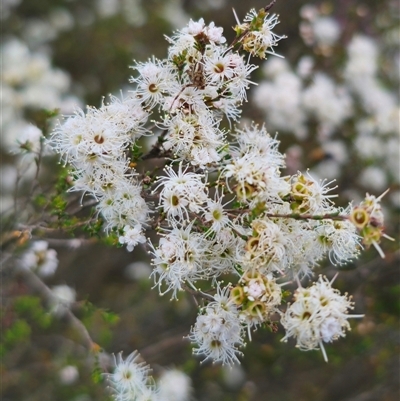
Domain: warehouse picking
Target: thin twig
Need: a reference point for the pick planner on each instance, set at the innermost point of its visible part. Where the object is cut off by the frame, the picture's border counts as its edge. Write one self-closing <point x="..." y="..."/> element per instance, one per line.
<point x="159" y="347"/>
<point x="91" y="202"/>
<point x="36" y="283"/>
<point x="298" y="216"/>
<point x="269" y="6"/>
<point x="198" y="292"/>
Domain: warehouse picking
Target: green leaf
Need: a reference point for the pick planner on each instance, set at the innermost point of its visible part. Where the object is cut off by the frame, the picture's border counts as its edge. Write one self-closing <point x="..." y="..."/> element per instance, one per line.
<point x="110" y="317"/>
<point x="20" y="331"/>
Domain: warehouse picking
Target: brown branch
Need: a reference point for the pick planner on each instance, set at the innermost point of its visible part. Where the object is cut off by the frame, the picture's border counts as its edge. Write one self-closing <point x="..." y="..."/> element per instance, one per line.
<point x="298" y="216"/>
<point x="269" y="6"/>
<point x="198" y="293"/>
<point x="75" y="210"/>
<point x="159" y="347"/>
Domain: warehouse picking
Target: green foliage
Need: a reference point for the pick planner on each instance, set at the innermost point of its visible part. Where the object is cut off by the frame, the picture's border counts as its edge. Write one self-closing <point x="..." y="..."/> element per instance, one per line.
<point x="20" y="319"/>
<point x="40" y="200"/>
<point x="63" y="182"/>
<point x="180" y="62"/>
<point x="109" y="317"/>
<point x="98" y="321"/>
<point x="58" y="205"/>
<point x="94" y="227"/>
<point x="111" y="239"/>
<point x="136" y="152"/>
<point x="31" y="307"/>
<point x="97" y="372"/>
<point x="18" y="332"/>
<point x="286" y="295"/>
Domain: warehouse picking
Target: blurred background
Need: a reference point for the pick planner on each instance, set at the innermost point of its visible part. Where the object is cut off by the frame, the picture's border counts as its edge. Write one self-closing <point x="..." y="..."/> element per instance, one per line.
<point x="334" y="102"/>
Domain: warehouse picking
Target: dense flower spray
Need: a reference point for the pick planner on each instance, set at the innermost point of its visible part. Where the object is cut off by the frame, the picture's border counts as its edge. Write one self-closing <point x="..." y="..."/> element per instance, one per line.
<point x="232" y="230"/>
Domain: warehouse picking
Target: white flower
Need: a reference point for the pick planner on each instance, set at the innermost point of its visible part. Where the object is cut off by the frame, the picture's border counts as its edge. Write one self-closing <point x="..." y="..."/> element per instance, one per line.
<point x="312" y="196"/>
<point x="127" y="114"/>
<point x="63" y="297"/>
<point x="130" y="379"/>
<point x="214" y="33"/>
<point x="132" y="237"/>
<point x="122" y="205"/>
<point x="261" y="42"/>
<point x="330" y="329"/>
<point x="30" y="139"/>
<point x="340" y="239"/>
<point x="153" y="83"/>
<point x="179" y="259"/>
<point x="374" y="177"/>
<point x="280" y="99"/>
<point x="174" y="385"/>
<point x="175" y="203"/>
<point x="255" y="167"/>
<point x="218" y="331"/>
<point x="214" y="213"/>
<point x="240" y="81"/>
<point x="224" y="251"/>
<point x="93" y="134"/>
<point x="194" y="27"/>
<point x="64" y="294"/>
<point x="330" y="104"/>
<point x="194" y="137"/>
<point x="68" y="375"/>
<point x="326" y="31"/>
<point x="204" y="156"/>
<point x="318" y="314"/>
<point x="268" y="246"/>
<point x="40" y="259"/>
<point x="182" y="192"/>
<point x="218" y="68"/>
<point x="362" y="62"/>
<point x="254" y="289"/>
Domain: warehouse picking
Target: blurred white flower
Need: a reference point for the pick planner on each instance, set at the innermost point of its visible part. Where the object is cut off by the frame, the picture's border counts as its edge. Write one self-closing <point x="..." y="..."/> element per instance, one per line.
<point x="233" y="376"/>
<point x="107" y="8"/>
<point x="63" y="297"/>
<point x="68" y="375"/>
<point x="326" y="31"/>
<point x="328" y="103"/>
<point x="40" y="259"/>
<point x="305" y="66"/>
<point x="6" y="7"/>
<point x="61" y="19"/>
<point x="374" y="178"/>
<point x="29" y="140"/>
<point x="138" y="271"/>
<point x="174" y="385"/>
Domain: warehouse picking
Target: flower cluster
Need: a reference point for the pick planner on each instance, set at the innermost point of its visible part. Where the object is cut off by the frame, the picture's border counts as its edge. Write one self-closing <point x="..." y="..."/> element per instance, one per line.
<point x="369" y="220"/>
<point x="29" y="82"/>
<point x="318" y="314"/>
<point x="218" y="330"/>
<point x="222" y="207"/>
<point x="258" y="38"/>
<point x="93" y="144"/>
<point x="40" y="259"/>
<point x="258" y="296"/>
